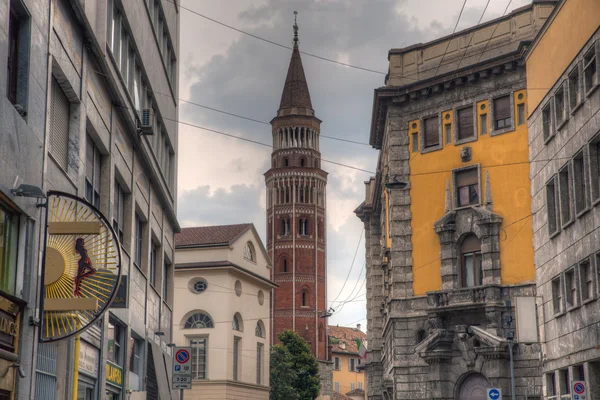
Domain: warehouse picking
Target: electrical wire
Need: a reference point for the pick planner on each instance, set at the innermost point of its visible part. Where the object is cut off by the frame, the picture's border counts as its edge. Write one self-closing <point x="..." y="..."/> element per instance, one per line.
<point x="472" y="35"/>
<point x="450" y="40"/>
<point x="351" y="266"/>
<point x="493" y="32"/>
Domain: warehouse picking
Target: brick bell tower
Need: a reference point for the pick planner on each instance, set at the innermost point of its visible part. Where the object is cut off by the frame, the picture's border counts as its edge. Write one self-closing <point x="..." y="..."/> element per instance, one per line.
<point x="296" y="238"/>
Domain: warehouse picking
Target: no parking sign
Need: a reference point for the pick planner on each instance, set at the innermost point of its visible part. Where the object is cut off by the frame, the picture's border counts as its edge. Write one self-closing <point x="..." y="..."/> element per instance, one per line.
<point x="579" y="392"/>
<point x="182" y="368"/>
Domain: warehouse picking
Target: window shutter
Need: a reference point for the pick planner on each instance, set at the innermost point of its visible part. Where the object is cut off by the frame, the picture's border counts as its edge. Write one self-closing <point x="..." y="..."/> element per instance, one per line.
<point x="465" y="123"/>
<point x="502" y="108"/>
<point x="432" y="137"/>
<point x="59" y="125"/>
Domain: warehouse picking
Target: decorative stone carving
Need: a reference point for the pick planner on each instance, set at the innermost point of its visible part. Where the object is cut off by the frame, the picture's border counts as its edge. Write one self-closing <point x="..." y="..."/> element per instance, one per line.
<point x="465" y="154"/>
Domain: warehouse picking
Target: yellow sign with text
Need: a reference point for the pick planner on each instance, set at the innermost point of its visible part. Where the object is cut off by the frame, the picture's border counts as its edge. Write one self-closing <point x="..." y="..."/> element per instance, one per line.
<point x="114" y="374"/>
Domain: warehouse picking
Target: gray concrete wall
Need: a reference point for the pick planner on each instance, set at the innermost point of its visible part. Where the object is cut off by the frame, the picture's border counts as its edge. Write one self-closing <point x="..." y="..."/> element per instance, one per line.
<point x="570" y="337"/>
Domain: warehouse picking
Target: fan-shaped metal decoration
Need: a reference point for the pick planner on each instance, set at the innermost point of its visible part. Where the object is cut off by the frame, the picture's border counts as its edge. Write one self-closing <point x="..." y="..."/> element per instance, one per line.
<point x="81" y="269"/>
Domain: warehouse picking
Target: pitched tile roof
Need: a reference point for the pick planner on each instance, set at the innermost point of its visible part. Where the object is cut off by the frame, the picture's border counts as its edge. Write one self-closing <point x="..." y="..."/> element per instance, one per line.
<point x="339" y="396"/>
<point x="295" y="91"/>
<point x="210" y="235"/>
<point x="344" y="339"/>
<point x="356" y="392"/>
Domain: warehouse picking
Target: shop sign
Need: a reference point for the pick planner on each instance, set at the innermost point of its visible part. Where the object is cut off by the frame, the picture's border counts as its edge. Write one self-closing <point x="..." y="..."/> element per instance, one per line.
<point x="114" y="374"/>
<point x="9" y="322"/>
<point x="88" y="358"/>
<point x="81" y="269"/>
<point x="120" y="300"/>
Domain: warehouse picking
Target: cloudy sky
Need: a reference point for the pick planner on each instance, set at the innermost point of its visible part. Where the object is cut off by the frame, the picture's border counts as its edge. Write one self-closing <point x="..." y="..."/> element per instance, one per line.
<point x="221" y="178"/>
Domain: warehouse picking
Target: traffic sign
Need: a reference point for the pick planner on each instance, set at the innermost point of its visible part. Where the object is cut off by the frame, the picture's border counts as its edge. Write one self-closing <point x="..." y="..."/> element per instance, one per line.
<point x="579" y="390"/>
<point x="494" y="394"/>
<point x="182" y="368"/>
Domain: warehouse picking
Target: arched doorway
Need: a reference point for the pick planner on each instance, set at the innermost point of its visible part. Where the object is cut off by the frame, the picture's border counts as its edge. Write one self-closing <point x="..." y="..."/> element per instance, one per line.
<point x="474" y="387"/>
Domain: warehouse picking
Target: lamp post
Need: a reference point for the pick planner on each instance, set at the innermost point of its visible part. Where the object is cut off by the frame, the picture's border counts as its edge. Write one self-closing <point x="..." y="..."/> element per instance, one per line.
<point x="510" y="337"/>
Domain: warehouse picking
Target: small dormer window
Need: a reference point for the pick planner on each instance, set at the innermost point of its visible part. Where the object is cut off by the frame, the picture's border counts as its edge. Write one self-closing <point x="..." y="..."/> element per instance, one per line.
<point x="249" y="252"/>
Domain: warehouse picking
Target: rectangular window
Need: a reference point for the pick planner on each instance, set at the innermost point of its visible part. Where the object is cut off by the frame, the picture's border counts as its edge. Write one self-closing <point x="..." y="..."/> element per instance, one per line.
<point x="552" y="207"/>
<point x="153" y="261"/>
<point x="547" y="126"/>
<point x="551" y="384"/>
<point x="165" y="280"/>
<point x="352" y="365"/>
<point x="13" y="54"/>
<point x="9" y="224"/>
<point x="557" y="297"/>
<point x="566" y="195"/>
<point x="336" y="364"/>
<point x="521" y="114"/>
<point x="560" y="110"/>
<point x="586" y="277"/>
<point x="571" y="288"/>
<point x="360" y="385"/>
<point x="337" y="386"/>
<point x="464" y="126"/>
<point x="502" y="114"/>
<point x="115" y="342"/>
<point x="136" y="357"/>
<point x="448" y="133"/>
<point x="415" y="142"/>
<point x="581" y="193"/>
<point x="575" y="88"/>
<point x="119" y="211"/>
<point x="93" y="164"/>
<point x="594" y="153"/>
<point x="483" y="124"/>
<point x="467" y="187"/>
<point x="259" y="353"/>
<point x="351" y="385"/>
<point x="236" y="351"/>
<point x="198" y="358"/>
<point x="565" y="381"/>
<point x="590" y="72"/>
<point x="139" y="229"/>
<point x="60" y="114"/>
<point x="432" y="132"/>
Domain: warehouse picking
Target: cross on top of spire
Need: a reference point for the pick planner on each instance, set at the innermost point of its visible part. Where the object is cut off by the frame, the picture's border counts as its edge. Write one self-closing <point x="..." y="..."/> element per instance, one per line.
<point x="295" y="28"/>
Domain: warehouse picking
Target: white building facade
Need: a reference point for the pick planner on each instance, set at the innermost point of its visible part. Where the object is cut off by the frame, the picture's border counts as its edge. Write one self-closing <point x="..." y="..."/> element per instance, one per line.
<point x="222" y="310"/>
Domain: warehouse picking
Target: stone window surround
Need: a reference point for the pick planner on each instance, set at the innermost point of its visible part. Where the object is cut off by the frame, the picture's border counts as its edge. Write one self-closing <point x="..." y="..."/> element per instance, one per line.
<point x="457" y="124"/>
<point x="554" y="180"/>
<point x="565" y="89"/>
<point x="592" y="262"/>
<point x="440" y="145"/>
<point x="568" y="167"/>
<point x="549" y="106"/>
<point x="454" y="187"/>
<point x="492" y="121"/>
<point x="582" y="154"/>
<point x="572" y="270"/>
<point x="583" y="53"/>
<point x="594" y="155"/>
<point x="579" y="68"/>
<point x="453" y="227"/>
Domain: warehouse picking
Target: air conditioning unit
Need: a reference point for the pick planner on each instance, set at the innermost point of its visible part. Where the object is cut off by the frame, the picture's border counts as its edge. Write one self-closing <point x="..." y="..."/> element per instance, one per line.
<point x="146" y="118"/>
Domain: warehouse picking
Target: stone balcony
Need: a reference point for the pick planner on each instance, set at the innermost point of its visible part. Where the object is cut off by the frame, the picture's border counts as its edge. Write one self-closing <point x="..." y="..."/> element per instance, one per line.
<point x="465" y="298"/>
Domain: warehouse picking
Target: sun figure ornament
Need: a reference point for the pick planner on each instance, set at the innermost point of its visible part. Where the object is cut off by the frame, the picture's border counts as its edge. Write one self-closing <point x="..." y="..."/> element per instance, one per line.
<point x="81" y="269"/>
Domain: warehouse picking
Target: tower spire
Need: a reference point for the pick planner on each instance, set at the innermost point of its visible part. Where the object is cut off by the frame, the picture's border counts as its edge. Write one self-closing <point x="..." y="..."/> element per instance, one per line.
<point x="295" y="29"/>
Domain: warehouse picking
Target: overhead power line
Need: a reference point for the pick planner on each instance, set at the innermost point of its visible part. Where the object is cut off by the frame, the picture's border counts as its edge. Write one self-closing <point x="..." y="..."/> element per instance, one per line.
<point x="450" y="40"/>
<point x="351" y="266"/>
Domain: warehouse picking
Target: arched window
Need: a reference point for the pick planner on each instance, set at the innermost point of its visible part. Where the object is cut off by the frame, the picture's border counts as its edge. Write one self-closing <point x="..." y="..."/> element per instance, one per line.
<point x="302" y="161"/>
<point x="249" y="252"/>
<point x="304" y="298"/>
<point x="286" y="162"/>
<point x="285" y="226"/>
<point x="470" y="259"/>
<point x="237" y="324"/>
<point x="274" y="163"/>
<point x="421" y="335"/>
<point x="199" y="321"/>
<point x="284" y="267"/>
<point x="316" y="164"/>
<point x="259" y="331"/>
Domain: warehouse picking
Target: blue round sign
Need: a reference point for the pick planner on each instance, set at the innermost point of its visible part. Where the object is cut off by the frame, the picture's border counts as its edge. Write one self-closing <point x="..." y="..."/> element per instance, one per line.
<point x="579" y="388"/>
<point x="182" y="356"/>
<point x="494" y="394"/>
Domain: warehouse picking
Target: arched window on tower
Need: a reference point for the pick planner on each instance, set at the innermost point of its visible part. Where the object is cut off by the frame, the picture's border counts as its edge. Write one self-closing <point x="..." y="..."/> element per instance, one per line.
<point x="285" y="226"/>
<point x="303" y="226"/>
<point x="284" y="265"/>
<point x="470" y="259"/>
<point x="286" y="162"/>
<point x="316" y="163"/>
<point x="304" y="298"/>
<point x="302" y="161"/>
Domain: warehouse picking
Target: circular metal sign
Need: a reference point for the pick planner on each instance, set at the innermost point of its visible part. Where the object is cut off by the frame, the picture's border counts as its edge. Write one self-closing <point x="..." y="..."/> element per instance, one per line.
<point x="81" y="269"/>
<point x="182" y="356"/>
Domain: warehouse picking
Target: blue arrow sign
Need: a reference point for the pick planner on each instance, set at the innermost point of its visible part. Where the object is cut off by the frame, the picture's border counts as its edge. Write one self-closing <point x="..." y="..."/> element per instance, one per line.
<point x="494" y="394"/>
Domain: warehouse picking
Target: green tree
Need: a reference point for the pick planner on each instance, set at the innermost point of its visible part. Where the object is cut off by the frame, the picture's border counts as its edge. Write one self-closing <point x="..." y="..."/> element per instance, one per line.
<point x="282" y="374"/>
<point x="306" y="383"/>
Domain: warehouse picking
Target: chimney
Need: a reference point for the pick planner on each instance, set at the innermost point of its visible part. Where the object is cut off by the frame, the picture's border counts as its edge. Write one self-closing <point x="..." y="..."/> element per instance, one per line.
<point x="358" y="326"/>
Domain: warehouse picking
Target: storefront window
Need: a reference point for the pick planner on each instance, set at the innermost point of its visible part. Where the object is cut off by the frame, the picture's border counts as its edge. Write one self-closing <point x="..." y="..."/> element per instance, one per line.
<point x="8" y="249"/>
<point x="114" y="342"/>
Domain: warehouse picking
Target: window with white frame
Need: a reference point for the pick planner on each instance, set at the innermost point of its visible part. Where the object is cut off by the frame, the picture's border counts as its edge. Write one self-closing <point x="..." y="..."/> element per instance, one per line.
<point x="199" y="350"/>
<point x="590" y="70"/>
<point x="566" y="194"/>
<point x="351" y="385"/>
<point x="547" y="125"/>
<point x="552" y="206"/>
<point x="571" y="296"/>
<point x="580" y="178"/>
<point x="199" y="320"/>
<point x="575" y="94"/>
<point x="467" y="187"/>
<point x="557" y="296"/>
<point x="586" y="277"/>
<point x="249" y="252"/>
<point x="502" y="112"/>
<point x="352" y="365"/>
<point x="337" y="386"/>
<point x="337" y="365"/>
<point x="560" y="105"/>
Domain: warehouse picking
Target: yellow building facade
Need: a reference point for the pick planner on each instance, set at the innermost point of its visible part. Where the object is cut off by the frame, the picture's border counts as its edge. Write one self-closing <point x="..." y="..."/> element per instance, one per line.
<point x="348" y="374"/>
<point x="448" y="216"/>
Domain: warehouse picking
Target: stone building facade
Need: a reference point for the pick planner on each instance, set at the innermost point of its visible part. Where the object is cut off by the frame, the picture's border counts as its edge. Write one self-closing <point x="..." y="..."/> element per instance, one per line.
<point x="75" y="76"/>
<point x="296" y="218"/>
<point x="564" y="136"/>
<point x="447" y="217"/>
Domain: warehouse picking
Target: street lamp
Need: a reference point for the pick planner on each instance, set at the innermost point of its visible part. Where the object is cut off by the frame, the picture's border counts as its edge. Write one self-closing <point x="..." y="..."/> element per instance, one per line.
<point x="396" y="184"/>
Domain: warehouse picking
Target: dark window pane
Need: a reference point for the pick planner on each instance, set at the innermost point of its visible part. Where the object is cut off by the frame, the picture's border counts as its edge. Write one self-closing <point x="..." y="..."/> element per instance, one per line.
<point x="465" y="123"/>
